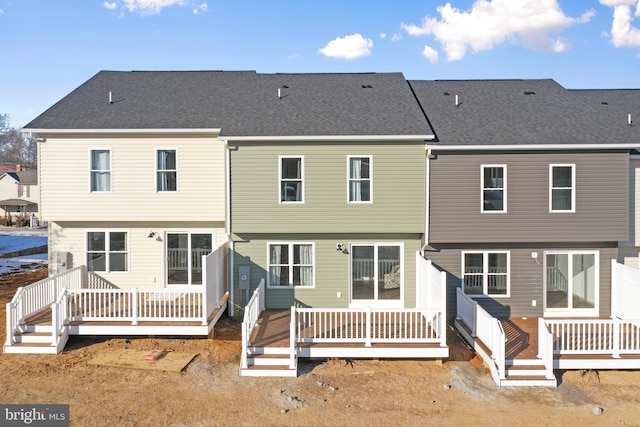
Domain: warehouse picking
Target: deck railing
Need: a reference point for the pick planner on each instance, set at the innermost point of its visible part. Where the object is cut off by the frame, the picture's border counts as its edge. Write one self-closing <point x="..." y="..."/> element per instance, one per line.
<point x="37" y="296"/>
<point x="366" y="325"/>
<point x="595" y="336"/>
<point x="136" y="305"/>
<point x="486" y="328"/>
<point x="59" y="317"/>
<point x="545" y="347"/>
<point x="251" y="314"/>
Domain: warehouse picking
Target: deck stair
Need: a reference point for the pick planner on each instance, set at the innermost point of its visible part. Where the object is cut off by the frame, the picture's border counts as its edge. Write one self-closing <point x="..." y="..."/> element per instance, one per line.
<point x="269" y="362"/>
<point x="526" y="372"/>
<point x="35" y="338"/>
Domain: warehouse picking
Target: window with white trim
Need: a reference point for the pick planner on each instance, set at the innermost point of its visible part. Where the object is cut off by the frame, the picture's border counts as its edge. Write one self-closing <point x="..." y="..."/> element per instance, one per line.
<point x="494" y="188"/>
<point x="485" y="273"/>
<point x="359" y="179"/>
<point x="107" y="251"/>
<point x="562" y="194"/>
<point x="291" y="177"/>
<point x="291" y="264"/>
<point x="166" y="171"/>
<point x="100" y="171"/>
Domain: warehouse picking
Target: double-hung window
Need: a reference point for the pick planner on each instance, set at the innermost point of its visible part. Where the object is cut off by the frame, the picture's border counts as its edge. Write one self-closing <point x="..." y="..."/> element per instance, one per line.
<point x="562" y="191"/>
<point x="485" y="273"/>
<point x="360" y="180"/>
<point x="291" y="179"/>
<point x="291" y="264"/>
<point x="166" y="171"/>
<point x="100" y="170"/>
<point x="494" y="188"/>
<point x="107" y="251"/>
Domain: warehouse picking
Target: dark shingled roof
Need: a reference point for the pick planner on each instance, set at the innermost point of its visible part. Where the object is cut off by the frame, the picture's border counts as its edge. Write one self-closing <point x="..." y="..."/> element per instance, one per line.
<point x="526" y="112"/>
<point x="241" y="103"/>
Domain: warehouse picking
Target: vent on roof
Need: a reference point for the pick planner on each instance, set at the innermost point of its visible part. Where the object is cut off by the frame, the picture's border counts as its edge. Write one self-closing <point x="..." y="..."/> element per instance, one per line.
<point x="110" y="98"/>
<point x="367" y="86"/>
<point x="528" y="92"/>
<point x="604" y="103"/>
<point x="458" y="102"/>
<point x="446" y="94"/>
<point x="629" y="121"/>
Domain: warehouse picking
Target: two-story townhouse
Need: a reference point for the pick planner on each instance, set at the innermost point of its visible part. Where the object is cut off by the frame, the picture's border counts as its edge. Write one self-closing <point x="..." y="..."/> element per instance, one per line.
<point x="328" y="190"/>
<point x="528" y="193"/>
<point x="529" y="208"/>
<point x="133" y="178"/>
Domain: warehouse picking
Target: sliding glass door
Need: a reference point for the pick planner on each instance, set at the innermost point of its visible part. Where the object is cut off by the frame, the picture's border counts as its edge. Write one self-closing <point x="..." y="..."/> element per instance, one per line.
<point x="184" y="257"/>
<point x="376" y="273"/>
<point x="571" y="283"/>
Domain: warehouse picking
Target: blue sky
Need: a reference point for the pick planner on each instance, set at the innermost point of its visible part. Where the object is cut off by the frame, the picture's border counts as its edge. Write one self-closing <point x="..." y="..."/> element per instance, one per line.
<point x="51" y="47"/>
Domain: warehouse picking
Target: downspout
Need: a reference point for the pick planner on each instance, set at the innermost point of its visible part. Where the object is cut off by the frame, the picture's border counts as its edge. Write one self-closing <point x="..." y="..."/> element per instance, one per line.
<point x="426" y="198"/>
<point x="227" y="224"/>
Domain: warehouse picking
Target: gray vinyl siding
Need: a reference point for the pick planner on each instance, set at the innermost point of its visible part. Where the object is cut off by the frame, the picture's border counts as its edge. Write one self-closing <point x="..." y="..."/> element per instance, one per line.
<point x="601" y="211"/>
<point x="331" y="269"/>
<point x="398" y="189"/>
<point x="526" y="279"/>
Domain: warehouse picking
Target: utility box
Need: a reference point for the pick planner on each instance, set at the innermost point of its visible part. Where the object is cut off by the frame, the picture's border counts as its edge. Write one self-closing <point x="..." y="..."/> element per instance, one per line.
<point x="244" y="276"/>
<point x="63" y="261"/>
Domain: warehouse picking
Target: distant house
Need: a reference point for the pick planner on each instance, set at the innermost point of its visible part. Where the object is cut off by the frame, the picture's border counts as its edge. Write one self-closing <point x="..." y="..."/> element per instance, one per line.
<point x="19" y="195"/>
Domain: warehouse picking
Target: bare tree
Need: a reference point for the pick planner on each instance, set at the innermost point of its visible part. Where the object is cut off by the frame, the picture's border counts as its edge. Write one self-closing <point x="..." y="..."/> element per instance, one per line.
<point x="15" y="147"/>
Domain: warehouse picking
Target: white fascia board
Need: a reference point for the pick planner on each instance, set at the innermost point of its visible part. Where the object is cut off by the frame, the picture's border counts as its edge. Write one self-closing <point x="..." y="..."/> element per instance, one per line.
<point x="155" y="131"/>
<point x="331" y="138"/>
<point x="630" y="146"/>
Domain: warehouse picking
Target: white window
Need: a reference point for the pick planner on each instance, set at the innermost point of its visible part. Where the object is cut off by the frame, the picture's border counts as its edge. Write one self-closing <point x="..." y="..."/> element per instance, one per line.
<point x="494" y="188"/>
<point x="100" y="170"/>
<point x="485" y="273"/>
<point x="291" y="264"/>
<point x="562" y="193"/>
<point x="107" y="251"/>
<point x="359" y="179"/>
<point x="166" y="171"/>
<point x="291" y="179"/>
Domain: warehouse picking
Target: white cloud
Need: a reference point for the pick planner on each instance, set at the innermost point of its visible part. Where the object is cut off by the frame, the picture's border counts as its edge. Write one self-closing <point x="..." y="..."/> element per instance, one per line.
<point x="202" y="8"/>
<point x="1" y="12"/>
<point x="493" y="22"/>
<point x="383" y="35"/>
<point x="348" y="47"/>
<point x="623" y="33"/>
<point x="110" y="5"/>
<point x="429" y="53"/>
<point x="396" y="37"/>
<point x="150" y="7"/>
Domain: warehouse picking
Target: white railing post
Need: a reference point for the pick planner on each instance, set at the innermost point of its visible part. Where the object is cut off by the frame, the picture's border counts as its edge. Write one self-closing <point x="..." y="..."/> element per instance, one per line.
<point x="616" y="338"/>
<point x="245" y="346"/>
<point x="367" y="342"/>
<point x="262" y="296"/>
<point x="134" y="306"/>
<point x="292" y="338"/>
<point x="443" y="310"/>
<point x="9" y="319"/>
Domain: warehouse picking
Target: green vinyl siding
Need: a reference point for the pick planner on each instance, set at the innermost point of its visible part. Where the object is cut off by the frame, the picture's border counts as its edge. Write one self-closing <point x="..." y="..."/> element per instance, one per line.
<point x="398" y="195"/>
<point x="331" y="268"/>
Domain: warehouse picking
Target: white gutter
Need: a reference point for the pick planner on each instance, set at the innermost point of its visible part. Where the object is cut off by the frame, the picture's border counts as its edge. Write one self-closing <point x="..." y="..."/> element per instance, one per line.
<point x="476" y="147"/>
<point x="342" y="138"/>
<point x="215" y="131"/>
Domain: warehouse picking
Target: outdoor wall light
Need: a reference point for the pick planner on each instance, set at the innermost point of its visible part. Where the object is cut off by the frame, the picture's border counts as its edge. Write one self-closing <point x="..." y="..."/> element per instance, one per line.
<point x="151" y="234"/>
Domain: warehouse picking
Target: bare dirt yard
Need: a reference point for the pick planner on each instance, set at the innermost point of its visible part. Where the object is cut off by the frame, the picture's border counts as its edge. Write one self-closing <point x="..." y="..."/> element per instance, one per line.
<point x="209" y="392"/>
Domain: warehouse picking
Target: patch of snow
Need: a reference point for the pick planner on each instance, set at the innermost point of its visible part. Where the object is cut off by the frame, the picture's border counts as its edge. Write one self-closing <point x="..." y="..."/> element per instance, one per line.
<point x="16" y="241"/>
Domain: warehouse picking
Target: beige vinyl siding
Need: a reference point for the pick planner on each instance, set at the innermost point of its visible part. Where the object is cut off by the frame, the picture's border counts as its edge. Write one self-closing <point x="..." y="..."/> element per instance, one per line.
<point x="601" y="211"/>
<point x="146" y="255"/>
<point x="65" y="178"/>
<point x="398" y="189"/>
<point x="526" y="279"/>
<point x="331" y="269"/>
